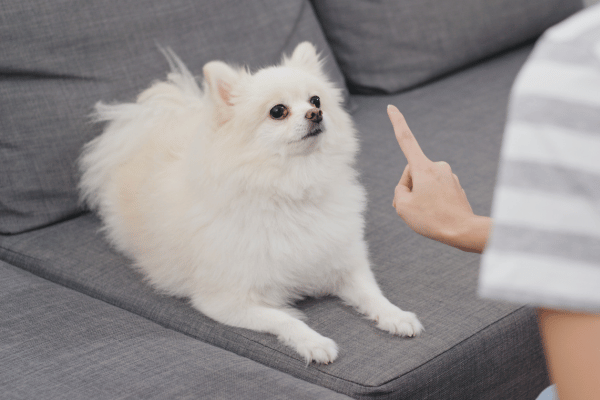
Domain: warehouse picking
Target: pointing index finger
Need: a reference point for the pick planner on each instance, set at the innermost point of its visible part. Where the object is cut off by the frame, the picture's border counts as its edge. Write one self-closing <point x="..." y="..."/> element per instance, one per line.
<point x="408" y="144"/>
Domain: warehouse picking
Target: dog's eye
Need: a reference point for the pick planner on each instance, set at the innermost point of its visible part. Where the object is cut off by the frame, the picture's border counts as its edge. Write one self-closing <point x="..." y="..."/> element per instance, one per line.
<point x="315" y="101"/>
<point x="279" y="112"/>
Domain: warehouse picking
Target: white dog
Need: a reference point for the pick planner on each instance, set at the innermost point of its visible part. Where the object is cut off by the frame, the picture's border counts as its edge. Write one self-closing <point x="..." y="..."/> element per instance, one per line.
<point x="241" y="196"/>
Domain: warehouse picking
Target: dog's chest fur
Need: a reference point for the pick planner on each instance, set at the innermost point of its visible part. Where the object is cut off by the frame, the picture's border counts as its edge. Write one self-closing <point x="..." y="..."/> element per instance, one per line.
<point x="289" y="240"/>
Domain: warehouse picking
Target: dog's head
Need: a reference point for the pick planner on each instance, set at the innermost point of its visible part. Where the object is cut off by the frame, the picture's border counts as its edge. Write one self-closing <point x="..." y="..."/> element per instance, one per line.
<point x="284" y="111"/>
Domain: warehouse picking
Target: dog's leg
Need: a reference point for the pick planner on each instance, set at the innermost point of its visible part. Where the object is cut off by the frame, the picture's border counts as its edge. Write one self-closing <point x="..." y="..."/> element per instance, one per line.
<point x="289" y="329"/>
<point x="359" y="289"/>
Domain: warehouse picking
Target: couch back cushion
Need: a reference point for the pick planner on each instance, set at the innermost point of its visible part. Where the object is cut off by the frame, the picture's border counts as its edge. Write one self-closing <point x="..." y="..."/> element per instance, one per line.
<point x="59" y="57"/>
<point x="392" y="45"/>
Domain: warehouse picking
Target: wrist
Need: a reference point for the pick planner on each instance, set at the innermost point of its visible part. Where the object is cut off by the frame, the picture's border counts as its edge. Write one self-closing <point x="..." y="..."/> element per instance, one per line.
<point x="470" y="235"/>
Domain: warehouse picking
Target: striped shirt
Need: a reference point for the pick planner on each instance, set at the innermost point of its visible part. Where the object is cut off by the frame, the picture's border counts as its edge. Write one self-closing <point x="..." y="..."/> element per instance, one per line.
<point x="544" y="248"/>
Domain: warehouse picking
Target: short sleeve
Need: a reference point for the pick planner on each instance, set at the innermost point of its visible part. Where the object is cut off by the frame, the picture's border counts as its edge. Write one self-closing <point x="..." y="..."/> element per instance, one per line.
<point x="544" y="248"/>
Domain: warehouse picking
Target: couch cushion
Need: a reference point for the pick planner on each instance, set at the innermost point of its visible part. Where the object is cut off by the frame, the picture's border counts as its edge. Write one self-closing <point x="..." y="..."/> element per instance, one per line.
<point x="58" y="343"/>
<point x="485" y="349"/>
<point x="388" y="46"/>
<point x="59" y="57"/>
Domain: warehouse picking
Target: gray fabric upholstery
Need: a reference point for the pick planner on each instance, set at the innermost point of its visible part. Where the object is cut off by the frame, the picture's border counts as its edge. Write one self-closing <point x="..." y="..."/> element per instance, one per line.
<point x="59" y="57"/>
<point x="487" y="349"/>
<point x="392" y="45"/>
<point x="503" y="361"/>
<point x="56" y="343"/>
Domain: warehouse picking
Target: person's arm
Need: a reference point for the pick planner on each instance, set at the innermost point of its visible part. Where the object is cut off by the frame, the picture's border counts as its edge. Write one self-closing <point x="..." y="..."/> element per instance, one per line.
<point x="572" y="345"/>
<point x="429" y="197"/>
<point x="431" y="201"/>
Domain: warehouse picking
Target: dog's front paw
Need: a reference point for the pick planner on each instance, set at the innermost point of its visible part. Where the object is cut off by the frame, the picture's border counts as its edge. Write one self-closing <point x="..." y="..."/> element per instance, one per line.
<point x="398" y="322"/>
<point x="318" y="348"/>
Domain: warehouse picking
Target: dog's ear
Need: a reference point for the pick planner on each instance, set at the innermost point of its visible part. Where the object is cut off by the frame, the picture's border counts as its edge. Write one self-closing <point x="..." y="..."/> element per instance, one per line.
<point x="305" y="56"/>
<point x="220" y="80"/>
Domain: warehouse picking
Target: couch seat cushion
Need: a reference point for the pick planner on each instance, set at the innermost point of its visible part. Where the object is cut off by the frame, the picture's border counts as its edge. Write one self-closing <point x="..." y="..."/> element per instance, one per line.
<point x="56" y="343"/>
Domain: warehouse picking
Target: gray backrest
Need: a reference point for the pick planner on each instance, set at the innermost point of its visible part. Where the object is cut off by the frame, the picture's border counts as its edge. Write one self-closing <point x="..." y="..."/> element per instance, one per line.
<point x="59" y="57"/>
<point x="392" y="45"/>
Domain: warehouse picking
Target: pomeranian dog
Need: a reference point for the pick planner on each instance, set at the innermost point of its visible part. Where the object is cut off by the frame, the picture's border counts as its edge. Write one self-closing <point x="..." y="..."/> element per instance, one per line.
<point x="241" y="196"/>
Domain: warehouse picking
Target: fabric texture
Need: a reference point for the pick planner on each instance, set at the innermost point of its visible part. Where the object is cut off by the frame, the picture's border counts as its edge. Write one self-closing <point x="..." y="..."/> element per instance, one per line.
<point x="58" y="58"/>
<point x="56" y="343"/>
<point x="545" y="245"/>
<point x="392" y="45"/>
<point x="459" y="119"/>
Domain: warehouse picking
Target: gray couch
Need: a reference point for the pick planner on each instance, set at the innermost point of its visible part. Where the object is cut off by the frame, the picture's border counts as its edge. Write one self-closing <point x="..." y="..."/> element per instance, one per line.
<point x="77" y="322"/>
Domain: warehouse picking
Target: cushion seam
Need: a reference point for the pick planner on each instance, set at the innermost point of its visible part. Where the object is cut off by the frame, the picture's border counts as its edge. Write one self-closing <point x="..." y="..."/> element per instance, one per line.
<point x="97" y="295"/>
<point x="56" y="279"/>
<point x="455" y="345"/>
<point x="69" y="284"/>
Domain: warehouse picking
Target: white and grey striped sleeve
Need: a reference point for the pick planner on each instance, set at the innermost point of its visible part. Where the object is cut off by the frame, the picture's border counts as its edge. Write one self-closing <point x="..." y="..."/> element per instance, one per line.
<point x="544" y="248"/>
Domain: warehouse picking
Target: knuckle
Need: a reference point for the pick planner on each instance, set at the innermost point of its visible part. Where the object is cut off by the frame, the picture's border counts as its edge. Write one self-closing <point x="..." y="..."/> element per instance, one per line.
<point x="430" y="169"/>
<point x="444" y="165"/>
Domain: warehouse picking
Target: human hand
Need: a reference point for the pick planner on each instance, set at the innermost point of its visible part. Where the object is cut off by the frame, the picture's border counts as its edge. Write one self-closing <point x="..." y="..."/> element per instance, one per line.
<point x="430" y="199"/>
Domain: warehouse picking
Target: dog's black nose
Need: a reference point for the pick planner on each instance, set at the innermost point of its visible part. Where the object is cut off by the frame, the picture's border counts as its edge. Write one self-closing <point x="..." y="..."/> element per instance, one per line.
<point x="315" y="115"/>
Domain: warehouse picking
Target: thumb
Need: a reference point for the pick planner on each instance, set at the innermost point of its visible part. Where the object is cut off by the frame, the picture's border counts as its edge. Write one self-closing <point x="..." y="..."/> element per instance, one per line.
<point x="404" y="186"/>
<point x="406" y="178"/>
<point x="402" y="190"/>
<point x="402" y="193"/>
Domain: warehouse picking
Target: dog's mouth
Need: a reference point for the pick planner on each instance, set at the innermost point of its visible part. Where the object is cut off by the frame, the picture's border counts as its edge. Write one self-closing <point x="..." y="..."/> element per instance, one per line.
<point x="316" y="131"/>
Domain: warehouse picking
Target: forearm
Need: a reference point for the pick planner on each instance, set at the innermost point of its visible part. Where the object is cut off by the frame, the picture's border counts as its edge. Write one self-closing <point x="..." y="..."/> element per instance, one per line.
<point x="572" y="345"/>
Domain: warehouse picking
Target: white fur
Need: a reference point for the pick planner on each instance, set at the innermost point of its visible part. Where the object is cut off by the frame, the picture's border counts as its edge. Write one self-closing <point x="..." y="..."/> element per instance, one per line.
<point x="218" y="202"/>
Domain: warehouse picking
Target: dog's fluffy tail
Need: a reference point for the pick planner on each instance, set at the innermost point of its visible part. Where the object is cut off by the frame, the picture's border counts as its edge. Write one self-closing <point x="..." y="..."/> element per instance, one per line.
<point x="180" y="75"/>
<point x="129" y="123"/>
<point x="180" y="85"/>
<point x="114" y="146"/>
